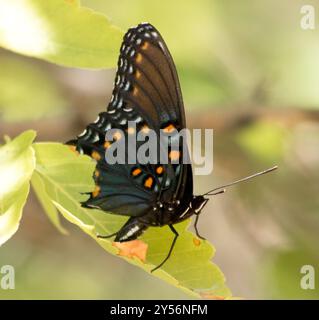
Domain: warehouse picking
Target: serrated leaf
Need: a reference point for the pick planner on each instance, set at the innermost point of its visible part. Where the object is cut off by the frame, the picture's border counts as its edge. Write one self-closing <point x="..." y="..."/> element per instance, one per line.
<point x="67" y="176"/>
<point x="59" y="31"/>
<point x="17" y="163"/>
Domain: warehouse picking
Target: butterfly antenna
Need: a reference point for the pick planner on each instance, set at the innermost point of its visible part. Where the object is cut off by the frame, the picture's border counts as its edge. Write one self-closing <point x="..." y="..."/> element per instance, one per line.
<point x="222" y="188"/>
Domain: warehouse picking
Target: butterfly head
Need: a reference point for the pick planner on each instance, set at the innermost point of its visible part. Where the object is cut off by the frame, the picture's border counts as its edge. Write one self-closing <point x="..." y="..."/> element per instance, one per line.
<point x="198" y="203"/>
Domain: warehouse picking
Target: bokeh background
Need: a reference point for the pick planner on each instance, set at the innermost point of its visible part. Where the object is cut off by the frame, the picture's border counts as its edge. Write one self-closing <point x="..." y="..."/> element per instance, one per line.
<point x="247" y="70"/>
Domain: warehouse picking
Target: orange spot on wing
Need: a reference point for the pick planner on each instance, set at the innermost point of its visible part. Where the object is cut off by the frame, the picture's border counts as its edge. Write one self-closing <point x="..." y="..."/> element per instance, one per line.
<point x="196" y="242"/>
<point x="138" y="58"/>
<point x="145" y="45"/>
<point x="145" y="129"/>
<point x="95" y="155"/>
<point x="130" y="249"/>
<point x="137" y="74"/>
<point x="117" y="135"/>
<point x="107" y="144"/>
<point x="96" y="192"/>
<point x="135" y="91"/>
<point x="170" y="128"/>
<point x="148" y="182"/>
<point x="159" y="170"/>
<point x="130" y="130"/>
<point x="174" y="155"/>
<point x="136" y="172"/>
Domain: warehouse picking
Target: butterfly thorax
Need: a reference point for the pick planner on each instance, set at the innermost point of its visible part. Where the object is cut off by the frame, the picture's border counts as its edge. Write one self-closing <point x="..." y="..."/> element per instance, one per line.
<point x="164" y="213"/>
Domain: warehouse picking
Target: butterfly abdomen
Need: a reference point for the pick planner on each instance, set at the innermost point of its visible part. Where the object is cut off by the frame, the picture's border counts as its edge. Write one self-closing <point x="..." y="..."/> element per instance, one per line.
<point x="131" y="230"/>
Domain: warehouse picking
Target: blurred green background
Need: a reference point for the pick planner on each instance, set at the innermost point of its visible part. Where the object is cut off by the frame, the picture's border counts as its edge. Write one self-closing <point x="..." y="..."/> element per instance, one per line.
<point x="247" y="70"/>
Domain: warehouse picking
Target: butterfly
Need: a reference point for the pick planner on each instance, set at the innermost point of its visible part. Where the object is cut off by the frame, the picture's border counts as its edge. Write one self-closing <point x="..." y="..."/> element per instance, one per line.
<point x="146" y="92"/>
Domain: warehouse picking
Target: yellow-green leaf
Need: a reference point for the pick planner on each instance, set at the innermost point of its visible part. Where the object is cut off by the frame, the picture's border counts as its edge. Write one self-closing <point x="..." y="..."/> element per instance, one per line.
<point x="17" y="163"/>
<point x="67" y="176"/>
<point x="60" y="31"/>
<point x="10" y="219"/>
<point x="49" y="208"/>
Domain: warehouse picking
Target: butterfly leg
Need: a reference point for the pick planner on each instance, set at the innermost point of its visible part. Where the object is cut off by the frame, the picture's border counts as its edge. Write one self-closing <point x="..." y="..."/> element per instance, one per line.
<point x="171" y="248"/>
<point x="196" y="229"/>
<point x="108" y="236"/>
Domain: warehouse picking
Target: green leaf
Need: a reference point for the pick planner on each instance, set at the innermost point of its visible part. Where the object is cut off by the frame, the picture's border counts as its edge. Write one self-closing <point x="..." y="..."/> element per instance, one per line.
<point x="49" y="208"/>
<point x="17" y="163"/>
<point x="27" y="92"/>
<point x="59" y="31"/>
<point x="66" y="176"/>
<point x="10" y="219"/>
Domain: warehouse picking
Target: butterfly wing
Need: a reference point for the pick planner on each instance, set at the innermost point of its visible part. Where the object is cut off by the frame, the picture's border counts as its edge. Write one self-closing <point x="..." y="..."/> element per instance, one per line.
<point x="147" y="79"/>
<point x="147" y="92"/>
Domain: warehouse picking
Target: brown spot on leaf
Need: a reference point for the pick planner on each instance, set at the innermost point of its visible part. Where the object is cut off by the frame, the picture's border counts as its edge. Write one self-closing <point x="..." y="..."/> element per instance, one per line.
<point x="210" y="295"/>
<point x="73" y="149"/>
<point x="130" y="249"/>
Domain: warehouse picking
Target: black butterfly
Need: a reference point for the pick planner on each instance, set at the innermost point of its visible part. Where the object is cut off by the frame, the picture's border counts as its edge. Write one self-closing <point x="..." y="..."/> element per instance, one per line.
<point x="146" y="91"/>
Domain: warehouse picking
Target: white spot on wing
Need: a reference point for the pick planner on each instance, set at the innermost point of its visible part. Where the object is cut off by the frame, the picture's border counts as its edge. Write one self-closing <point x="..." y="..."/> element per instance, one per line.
<point x="127" y="86"/>
<point x="130" y="69"/>
<point x="111" y="111"/>
<point x="83" y="133"/>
